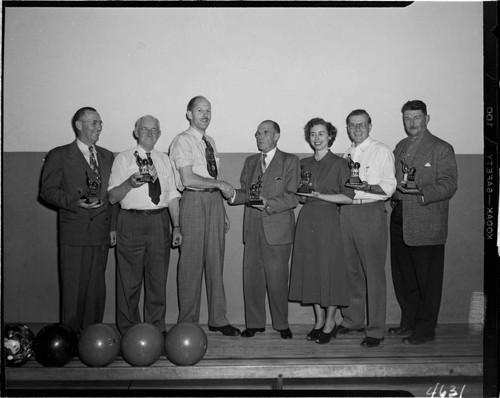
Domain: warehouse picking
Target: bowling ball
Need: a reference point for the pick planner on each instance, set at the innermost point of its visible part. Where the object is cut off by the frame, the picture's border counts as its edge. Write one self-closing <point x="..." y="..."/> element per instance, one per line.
<point x="186" y="344"/>
<point x="18" y="344"/>
<point x="98" y="345"/>
<point x="55" y="345"/>
<point x="142" y="344"/>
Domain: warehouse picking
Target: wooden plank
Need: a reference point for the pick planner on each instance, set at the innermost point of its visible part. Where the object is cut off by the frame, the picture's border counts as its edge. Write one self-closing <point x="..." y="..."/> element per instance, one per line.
<point x="454" y="353"/>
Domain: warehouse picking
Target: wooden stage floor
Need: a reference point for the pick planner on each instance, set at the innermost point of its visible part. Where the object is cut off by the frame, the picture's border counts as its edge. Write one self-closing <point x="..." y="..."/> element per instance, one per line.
<point x="453" y="362"/>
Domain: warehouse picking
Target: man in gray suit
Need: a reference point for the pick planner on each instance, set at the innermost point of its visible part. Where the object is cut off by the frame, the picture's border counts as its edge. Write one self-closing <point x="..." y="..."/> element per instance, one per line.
<point x="419" y="223"/>
<point x="268" y="230"/>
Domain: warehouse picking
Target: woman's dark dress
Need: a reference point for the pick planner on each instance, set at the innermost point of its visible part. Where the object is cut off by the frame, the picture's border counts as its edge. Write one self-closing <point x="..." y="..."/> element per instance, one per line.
<point x="318" y="274"/>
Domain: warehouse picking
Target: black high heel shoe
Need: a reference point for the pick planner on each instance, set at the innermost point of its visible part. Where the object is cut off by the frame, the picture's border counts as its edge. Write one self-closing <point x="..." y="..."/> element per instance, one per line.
<point x="314" y="334"/>
<point x="325" y="338"/>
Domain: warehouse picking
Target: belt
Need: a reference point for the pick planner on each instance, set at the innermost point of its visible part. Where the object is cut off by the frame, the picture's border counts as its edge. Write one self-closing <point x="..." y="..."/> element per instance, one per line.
<point x="364" y="201"/>
<point x="147" y="212"/>
<point x="202" y="190"/>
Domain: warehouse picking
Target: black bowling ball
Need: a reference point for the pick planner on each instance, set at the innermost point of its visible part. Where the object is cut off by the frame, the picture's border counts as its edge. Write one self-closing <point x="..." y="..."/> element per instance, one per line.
<point x="55" y="345"/>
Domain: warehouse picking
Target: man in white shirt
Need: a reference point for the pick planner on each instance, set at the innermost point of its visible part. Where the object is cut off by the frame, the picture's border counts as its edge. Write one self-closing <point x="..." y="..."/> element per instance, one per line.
<point x="203" y="220"/>
<point x="143" y="233"/>
<point x="365" y="232"/>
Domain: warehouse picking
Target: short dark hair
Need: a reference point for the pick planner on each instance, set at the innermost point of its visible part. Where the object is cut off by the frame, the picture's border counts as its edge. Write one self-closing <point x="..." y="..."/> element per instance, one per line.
<point x="330" y="129"/>
<point x="358" y="112"/>
<point x="193" y="100"/>
<point x="415" y="105"/>
<point x="79" y="113"/>
<point x="275" y="125"/>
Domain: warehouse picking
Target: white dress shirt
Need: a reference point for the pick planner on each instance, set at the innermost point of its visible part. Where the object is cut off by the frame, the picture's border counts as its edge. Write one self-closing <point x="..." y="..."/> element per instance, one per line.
<point x="125" y="165"/>
<point x="188" y="149"/>
<point x="376" y="167"/>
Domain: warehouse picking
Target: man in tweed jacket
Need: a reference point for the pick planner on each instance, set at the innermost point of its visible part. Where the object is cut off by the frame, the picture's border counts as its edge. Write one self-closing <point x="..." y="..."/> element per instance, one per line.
<point x="419" y="224"/>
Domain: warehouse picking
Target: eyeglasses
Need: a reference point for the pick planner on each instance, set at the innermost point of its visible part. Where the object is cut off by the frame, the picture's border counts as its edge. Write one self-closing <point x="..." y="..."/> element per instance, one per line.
<point x="94" y="123"/>
<point x="355" y="126"/>
<point x="145" y="130"/>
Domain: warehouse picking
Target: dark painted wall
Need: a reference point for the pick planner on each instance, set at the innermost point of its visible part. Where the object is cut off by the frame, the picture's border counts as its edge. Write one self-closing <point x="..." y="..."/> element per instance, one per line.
<point x="30" y="278"/>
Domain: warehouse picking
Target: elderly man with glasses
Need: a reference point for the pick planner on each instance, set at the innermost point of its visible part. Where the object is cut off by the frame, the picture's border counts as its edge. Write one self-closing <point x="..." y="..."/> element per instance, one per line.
<point x="365" y="232"/>
<point x="75" y="180"/>
<point x="142" y="180"/>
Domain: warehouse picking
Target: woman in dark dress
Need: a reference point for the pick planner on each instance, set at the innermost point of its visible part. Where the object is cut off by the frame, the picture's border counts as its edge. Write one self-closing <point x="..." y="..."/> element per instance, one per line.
<point x="318" y="274"/>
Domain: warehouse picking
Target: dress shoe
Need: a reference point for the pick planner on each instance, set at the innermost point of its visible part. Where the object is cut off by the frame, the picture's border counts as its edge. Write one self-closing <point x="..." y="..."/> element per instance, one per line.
<point x="314" y="334"/>
<point x="228" y="330"/>
<point x="286" y="334"/>
<point x="400" y="330"/>
<point x="369" y="342"/>
<point x="325" y="338"/>
<point x="343" y="330"/>
<point x="415" y="339"/>
<point x="250" y="332"/>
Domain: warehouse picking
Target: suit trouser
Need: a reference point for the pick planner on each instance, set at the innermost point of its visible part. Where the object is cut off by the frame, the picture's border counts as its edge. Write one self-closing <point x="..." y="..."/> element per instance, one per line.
<point x="417" y="274"/>
<point x="365" y="234"/>
<point x="265" y="268"/>
<point x="83" y="284"/>
<point x="143" y="253"/>
<point x="202" y="217"/>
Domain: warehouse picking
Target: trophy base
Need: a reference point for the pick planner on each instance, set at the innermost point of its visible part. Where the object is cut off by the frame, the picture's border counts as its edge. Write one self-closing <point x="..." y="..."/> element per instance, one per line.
<point x="353" y="183"/>
<point x="92" y="201"/>
<point x="305" y="190"/>
<point x="145" y="178"/>
<point x="410" y="188"/>
<point x="256" y="202"/>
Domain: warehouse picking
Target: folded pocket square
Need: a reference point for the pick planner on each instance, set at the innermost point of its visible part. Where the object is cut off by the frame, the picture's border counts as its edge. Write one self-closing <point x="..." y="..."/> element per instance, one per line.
<point x="278" y="178"/>
<point x="427" y="165"/>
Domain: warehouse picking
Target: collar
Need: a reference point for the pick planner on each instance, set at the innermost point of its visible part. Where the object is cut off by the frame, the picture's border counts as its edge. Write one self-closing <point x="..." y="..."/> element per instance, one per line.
<point x="142" y="151"/>
<point x="364" y="145"/>
<point x="270" y="154"/>
<point x="196" y="134"/>
<point x="84" y="147"/>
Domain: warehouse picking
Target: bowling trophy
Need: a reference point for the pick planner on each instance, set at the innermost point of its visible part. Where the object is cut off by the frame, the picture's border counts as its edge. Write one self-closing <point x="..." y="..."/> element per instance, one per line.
<point x="254" y="199"/>
<point x="93" y="190"/>
<point x="143" y="168"/>
<point x="305" y="185"/>
<point x="408" y="184"/>
<point x="354" y="180"/>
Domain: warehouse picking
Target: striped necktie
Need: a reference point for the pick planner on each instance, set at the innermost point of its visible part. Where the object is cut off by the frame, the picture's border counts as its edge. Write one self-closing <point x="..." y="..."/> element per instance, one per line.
<point x="93" y="162"/>
<point x="263" y="166"/>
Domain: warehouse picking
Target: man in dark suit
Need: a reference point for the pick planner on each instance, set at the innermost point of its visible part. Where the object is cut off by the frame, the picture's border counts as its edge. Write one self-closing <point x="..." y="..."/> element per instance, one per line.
<point x="75" y="179"/>
<point x="419" y="223"/>
<point x="268" y="230"/>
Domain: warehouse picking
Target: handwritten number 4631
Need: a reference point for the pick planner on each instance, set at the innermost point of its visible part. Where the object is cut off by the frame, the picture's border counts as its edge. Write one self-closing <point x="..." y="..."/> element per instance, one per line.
<point x="440" y="391"/>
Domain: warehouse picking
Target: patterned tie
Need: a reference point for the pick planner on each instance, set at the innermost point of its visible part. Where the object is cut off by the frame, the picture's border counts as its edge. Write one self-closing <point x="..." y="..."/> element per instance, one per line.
<point x="93" y="162"/>
<point x="209" y="154"/>
<point x="263" y="163"/>
<point x="154" y="186"/>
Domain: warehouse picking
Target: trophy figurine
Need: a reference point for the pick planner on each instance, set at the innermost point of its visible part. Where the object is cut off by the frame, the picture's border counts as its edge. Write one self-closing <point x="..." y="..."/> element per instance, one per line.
<point x="354" y="179"/>
<point x="143" y="168"/>
<point x="94" y="188"/>
<point x="254" y="199"/>
<point x="408" y="182"/>
<point x="306" y="185"/>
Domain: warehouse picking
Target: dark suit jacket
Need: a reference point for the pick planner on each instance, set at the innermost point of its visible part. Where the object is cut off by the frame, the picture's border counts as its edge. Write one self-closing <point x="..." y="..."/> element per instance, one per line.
<point x="64" y="182"/>
<point x="279" y="184"/>
<point x="425" y="221"/>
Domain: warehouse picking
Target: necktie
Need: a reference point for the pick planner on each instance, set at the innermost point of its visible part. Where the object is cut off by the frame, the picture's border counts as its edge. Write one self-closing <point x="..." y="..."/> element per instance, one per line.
<point x="154" y="186"/>
<point x="210" y="156"/>
<point x="263" y="163"/>
<point x="93" y="162"/>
